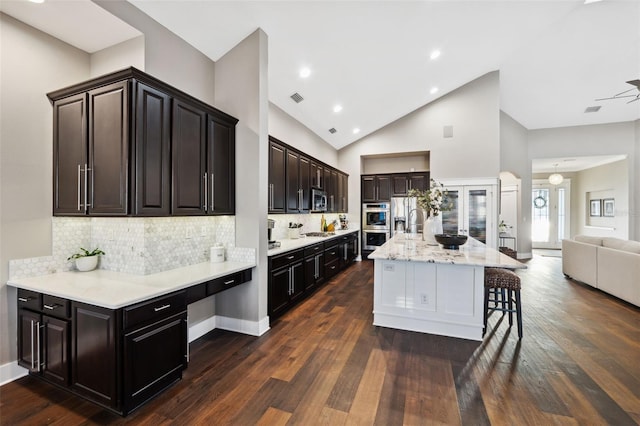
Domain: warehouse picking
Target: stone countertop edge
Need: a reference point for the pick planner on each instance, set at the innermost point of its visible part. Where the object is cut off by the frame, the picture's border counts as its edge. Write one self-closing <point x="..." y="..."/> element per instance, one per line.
<point x="114" y="290"/>
<point x="473" y="253"/>
<point x="294" y="244"/>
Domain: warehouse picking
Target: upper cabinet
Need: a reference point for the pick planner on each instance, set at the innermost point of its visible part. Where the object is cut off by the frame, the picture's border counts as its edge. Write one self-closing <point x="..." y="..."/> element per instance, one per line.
<point x="129" y="144"/>
<point x="381" y="187"/>
<point x="376" y="188"/>
<point x="292" y="175"/>
<point x="401" y="184"/>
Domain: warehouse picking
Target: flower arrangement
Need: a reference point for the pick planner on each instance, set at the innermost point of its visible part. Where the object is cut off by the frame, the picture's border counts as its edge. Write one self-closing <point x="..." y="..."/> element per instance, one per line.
<point x="433" y="200"/>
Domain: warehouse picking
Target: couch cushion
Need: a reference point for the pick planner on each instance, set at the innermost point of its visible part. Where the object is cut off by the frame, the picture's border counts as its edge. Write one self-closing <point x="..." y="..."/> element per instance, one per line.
<point x="624" y="245"/>
<point x="596" y="241"/>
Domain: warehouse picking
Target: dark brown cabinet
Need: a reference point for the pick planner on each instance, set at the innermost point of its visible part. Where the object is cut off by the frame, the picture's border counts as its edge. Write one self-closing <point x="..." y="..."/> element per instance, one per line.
<point x="277" y="177"/>
<point x="129" y="144"/>
<point x="286" y="281"/>
<point x="313" y="266"/>
<point x="402" y="183"/>
<point x="316" y="173"/>
<point x="342" y="198"/>
<point x="375" y="188"/>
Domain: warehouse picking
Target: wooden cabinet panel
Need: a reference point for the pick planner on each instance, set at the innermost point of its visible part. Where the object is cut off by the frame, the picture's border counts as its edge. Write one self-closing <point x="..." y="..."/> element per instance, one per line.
<point x="56" y="350"/>
<point x="368" y="189"/>
<point x="399" y="185"/>
<point x="109" y="150"/>
<point x="384" y="188"/>
<point x="28" y="340"/>
<point x="375" y="188"/>
<point x="94" y="343"/>
<point x="305" y="184"/>
<point x="188" y="159"/>
<point x="222" y="166"/>
<point x="69" y="154"/>
<point x="316" y="173"/>
<point x="293" y="181"/>
<point x="419" y="181"/>
<point x="278" y="291"/>
<point x="152" y="163"/>
<point x="277" y="178"/>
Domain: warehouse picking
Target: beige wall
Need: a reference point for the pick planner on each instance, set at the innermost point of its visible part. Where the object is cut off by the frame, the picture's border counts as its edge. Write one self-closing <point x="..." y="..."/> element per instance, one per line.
<point x="129" y="53"/>
<point x="473" y="111"/>
<point x="33" y="63"/>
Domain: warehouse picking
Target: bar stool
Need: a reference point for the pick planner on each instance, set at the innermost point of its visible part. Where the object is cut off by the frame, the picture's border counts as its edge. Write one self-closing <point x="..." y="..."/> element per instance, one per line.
<point x="502" y="288"/>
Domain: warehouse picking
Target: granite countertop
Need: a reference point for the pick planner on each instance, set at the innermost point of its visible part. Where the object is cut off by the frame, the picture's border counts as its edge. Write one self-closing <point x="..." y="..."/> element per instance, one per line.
<point x="114" y="290"/>
<point x="411" y="248"/>
<point x="293" y="244"/>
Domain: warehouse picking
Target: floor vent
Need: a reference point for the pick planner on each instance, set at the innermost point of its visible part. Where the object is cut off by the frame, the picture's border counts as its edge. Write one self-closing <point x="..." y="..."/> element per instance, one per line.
<point x="296" y="97"/>
<point x="332" y="130"/>
<point x="593" y="109"/>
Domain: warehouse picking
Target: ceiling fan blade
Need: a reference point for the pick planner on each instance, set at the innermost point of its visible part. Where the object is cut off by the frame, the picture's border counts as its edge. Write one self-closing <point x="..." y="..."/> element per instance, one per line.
<point x="635" y="83"/>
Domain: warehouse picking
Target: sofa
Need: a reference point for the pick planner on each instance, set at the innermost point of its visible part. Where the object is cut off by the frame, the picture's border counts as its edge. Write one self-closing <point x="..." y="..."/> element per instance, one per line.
<point x="609" y="264"/>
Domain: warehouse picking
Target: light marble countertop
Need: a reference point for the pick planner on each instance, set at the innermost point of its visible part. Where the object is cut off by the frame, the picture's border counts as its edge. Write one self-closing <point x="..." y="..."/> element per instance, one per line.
<point x="293" y="244"/>
<point x="410" y="247"/>
<point x="114" y="290"/>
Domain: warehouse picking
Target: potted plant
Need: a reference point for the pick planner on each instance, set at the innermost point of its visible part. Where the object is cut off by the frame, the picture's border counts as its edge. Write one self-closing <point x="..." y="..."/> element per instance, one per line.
<point x="433" y="201"/>
<point x="86" y="260"/>
<point x="503" y="229"/>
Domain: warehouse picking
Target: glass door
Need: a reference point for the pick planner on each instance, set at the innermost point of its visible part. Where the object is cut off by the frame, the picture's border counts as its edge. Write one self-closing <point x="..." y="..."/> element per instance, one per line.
<point x="549" y="214"/>
<point x="471" y="213"/>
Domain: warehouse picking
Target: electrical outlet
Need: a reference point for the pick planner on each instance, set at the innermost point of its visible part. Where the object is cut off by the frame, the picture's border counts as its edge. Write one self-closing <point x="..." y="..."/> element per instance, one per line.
<point x="424" y="299"/>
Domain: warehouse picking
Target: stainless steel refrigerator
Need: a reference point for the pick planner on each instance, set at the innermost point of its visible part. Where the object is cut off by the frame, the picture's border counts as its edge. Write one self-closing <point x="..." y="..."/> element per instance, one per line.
<point x="405" y="215"/>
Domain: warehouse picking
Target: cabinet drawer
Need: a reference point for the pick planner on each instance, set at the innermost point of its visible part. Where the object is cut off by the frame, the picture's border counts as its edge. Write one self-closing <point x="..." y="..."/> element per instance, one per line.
<point x="331" y="268"/>
<point x="154" y="310"/>
<point x="28" y="299"/>
<point x="285" y="258"/>
<point x="228" y="281"/>
<point x="331" y="254"/>
<point x="313" y="250"/>
<point x="56" y="306"/>
<point x="196" y="292"/>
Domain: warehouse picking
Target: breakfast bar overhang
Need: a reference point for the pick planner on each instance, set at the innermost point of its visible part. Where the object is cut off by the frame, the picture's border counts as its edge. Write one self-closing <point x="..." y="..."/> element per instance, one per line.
<point x="429" y="289"/>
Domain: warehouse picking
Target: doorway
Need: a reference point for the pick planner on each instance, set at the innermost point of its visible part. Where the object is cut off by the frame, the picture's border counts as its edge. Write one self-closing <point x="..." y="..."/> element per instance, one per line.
<point x="550" y="213"/>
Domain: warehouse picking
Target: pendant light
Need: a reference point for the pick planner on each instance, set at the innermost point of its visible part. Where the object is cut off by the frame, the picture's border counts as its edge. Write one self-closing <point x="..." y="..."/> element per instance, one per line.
<point x="555" y="178"/>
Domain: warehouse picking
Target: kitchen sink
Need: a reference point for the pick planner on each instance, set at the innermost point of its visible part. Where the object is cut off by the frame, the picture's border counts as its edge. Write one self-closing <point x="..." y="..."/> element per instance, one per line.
<point x="319" y="234"/>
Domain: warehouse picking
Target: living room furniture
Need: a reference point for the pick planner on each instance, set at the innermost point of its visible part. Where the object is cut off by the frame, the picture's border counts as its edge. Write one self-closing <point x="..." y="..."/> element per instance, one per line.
<point x="609" y="264"/>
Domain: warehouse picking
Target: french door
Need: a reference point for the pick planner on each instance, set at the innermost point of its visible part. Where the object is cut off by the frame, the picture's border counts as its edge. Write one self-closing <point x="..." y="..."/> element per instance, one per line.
<point x="471" y="213"/>
<point x="549" y="213"/>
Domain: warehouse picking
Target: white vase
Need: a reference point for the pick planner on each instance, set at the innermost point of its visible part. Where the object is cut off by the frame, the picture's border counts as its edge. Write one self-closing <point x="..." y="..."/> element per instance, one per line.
<point x="87" y="263"/>
<point x="431" y="227"/>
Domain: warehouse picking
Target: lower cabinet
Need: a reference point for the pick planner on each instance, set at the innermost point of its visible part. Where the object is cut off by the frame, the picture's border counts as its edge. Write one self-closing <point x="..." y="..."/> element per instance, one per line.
<point x="295" y="274"/>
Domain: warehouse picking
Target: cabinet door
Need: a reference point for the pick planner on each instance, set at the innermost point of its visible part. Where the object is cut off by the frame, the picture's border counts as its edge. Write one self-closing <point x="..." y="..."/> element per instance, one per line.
<point x="152" y="163"/>
<point x="399" y="185"/>
<point x="279" y="282"/>
<point x="305" y="184"/>
<point x="277" y="178"/>
<point x="419" y="181"/>
<point x="332" y="193"/>
<point x="293" y="182"/>
<point x="108" y="176"/>
<point x="69" y="154"/>
<point x="55" y="352"/>
<point x="29" y="355"/>
<point x="297" y="280"/>
<point x="222" y="166"/>
<point x="188" y="159"/>
<point x="310" y="272"/>
<point x="368" y="189"/>
<point x="154" y="357"/>
<point x="95" y="371"/>
<point x="343" y="193"/>
<point x="384" y="188"/>
<point x="316" y="173"/>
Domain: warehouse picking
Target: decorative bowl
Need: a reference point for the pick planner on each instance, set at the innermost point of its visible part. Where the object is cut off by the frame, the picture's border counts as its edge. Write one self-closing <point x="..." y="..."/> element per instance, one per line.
<point x="87" y="263"/>
<point x="450" y="241"/>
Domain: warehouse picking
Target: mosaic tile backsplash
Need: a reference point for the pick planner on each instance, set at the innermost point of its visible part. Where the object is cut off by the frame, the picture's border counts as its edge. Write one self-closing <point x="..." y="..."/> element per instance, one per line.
<point x="135" y="245"/>
<point x="310" y="222"/>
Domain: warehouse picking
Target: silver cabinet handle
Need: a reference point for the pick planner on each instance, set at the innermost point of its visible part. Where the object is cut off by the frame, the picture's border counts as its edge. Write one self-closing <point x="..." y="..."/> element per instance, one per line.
<point x="87" y="204"/>
<point x="270" y="196"/>
<point x="51" y="307"/>
<point x="187" y="325"/>
<point x="290" y="257"/>
<point x="206" y="192"/>
<point x="213" y="191"/>
<point x="22" y="299"/>
<point x="161" y="308"/>
<point x="38" y="345"/>
<point x="79" y="172"/>
<point x="229" y="282"/>
<point x="33" y="355"/>
<point x="300" y="206"/>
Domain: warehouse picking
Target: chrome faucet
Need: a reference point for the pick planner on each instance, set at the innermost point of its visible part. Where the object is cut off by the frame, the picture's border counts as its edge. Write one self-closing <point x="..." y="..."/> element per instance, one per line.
<point x="409" y="221"/>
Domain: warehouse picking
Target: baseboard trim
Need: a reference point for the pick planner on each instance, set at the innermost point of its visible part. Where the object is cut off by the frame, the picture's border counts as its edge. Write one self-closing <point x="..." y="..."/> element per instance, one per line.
<point x="253" y="328"/>
<point x="524" y="255"/>
<point x="198" y="330"/>
<point x="11" y="371"/>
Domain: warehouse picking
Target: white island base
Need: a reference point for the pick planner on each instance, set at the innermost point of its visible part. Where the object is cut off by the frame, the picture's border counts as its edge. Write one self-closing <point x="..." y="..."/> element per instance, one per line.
<point x="435" y="298"/>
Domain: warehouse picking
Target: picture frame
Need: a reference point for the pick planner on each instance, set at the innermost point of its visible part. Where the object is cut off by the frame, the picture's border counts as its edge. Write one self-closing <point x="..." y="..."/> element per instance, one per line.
<point x="608" y="207"/>
<point x="594" y="208"/>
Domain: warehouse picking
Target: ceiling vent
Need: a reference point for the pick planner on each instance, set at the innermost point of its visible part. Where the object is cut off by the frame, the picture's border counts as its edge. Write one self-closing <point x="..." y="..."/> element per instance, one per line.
<point x="593" y="109"/>
<point x="332" y="130"/>
<point x="296" y="97"/>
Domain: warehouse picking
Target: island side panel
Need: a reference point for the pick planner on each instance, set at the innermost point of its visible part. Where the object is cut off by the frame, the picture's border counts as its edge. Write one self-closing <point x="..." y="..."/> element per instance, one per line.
<point x="442" y="299"/>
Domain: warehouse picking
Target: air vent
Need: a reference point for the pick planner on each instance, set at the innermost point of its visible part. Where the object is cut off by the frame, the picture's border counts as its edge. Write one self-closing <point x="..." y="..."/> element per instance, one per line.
<point x="332" y="130"/>
<point x="296" y="97"/>
<point x="593" y="109"/>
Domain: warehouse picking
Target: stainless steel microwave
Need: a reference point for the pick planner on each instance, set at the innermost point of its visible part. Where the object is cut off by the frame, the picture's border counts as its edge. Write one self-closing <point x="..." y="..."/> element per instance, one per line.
<point x="318" y="200"/>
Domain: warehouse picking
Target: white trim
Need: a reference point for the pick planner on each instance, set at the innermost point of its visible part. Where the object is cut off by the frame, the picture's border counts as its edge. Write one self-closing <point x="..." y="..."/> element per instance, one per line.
<point x="469" y="181"/>
<point x="253" y="328"/>
<point x="11" y="371"/>
<point x="524" y="255"/>
<point x="198" y="330"/>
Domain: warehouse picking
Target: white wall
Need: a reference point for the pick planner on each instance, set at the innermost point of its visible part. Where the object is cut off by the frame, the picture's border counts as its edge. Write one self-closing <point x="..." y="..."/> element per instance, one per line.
<point x="129" y="53"/>
<point x="514" y="159"/>
<point x="290" y="131"/>
<point x="600" y="139"/>
<point x="32" y="64"/>
<point x="396" y="164"/>
<point x="472" y="110"/>
<point x="241" y="90"/>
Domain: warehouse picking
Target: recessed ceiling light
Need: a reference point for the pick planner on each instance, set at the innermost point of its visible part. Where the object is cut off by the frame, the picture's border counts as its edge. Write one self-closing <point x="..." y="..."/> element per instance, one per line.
<point x="591" y="1"/>
<point x="434" y="55"/>
<point x="337" y="108"/>
<point x="37" y="1"/>
<point x="433" y="90"/>
<point x="356" y="131"/>
<point x="305" y="72"/>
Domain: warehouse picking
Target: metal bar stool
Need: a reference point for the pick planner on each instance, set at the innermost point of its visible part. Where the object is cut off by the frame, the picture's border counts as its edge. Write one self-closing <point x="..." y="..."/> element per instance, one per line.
<point x="497" y="282"/>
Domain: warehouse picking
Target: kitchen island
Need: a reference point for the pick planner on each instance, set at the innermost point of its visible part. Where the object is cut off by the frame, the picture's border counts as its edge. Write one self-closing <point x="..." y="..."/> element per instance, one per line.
<point x="425" y="288"/>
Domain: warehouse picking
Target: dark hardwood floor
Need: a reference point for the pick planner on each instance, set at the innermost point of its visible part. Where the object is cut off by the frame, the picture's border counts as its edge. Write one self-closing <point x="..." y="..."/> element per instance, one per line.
<point x="324" y="363"/>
